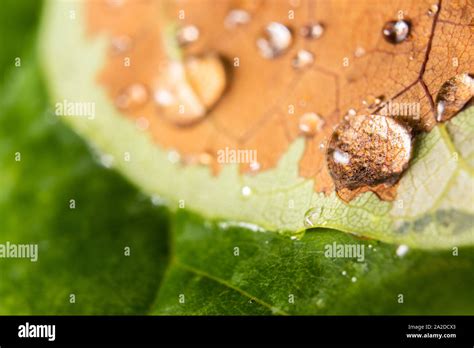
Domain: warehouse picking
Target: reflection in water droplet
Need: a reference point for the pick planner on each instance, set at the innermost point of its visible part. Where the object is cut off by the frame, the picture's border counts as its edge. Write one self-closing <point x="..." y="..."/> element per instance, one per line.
<point x="312" y="31"/>
<point x="275" y="40"/>
<point x="246" y="191"/>
<point x="121" y="44"/>
<point x="236" y="17"/>
<point x="402" y="250"/>
<point x="433" y="10"/>
<point x="310" y="123"/>
<point x="312" y="216"/>
<point x="367" y="150"/>
<point x="453" y="95"/>
<point x="396" y="31"/>
<point x="341" y="157"/>
<point x="303" y="59"/>
<point x="132" y="97"/>
<point x="187" y="35"/>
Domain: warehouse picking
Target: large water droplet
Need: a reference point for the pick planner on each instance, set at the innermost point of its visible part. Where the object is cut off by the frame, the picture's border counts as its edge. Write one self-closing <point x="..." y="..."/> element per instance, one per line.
<point x="236" y="17"/>
<point x="187" y="35"/>
<point x="453" y="95"/>
<point x="396" y="31"/>
<point x="303" y="59"/>
<point x="186" y="92"/>
<point x="367" y="150"/>
<point x="275" y="40"/>
<point x="312" y="31"/>
<point x="132" y="97"/>
<point x="310" y="123"/>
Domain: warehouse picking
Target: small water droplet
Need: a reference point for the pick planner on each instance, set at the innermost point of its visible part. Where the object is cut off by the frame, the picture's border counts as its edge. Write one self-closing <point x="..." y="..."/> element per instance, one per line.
<point x="359" y="51"/>
<point x="132" y="97"/>
<point x="453" y="95"/>
<point x="322" y="145"/>
<point x="370" y="246"/>
<point x="187" y="35"/>
<point x="157" y="200"/>
<point x="246" y="191"/>
<point x="312" y="30"/>
<point x="236" y="17"/>
<point x="368" y="150"/>
<point x="396" y="32"/>
<point x="302" y="59"/>
<point x="433" y="10"/>
<point x="121" y="44"/>
<point x="107" y="160"/>
<point x="402" y="250"/>
<point x="254" y="166"/>
<point x="372" y="102"/>
<point x="344" y="273"/>
<point x="174" y="156"/>
<point x="310" y="123"/>
<point x="320" y="303"/>
<point x="353" y="279"/>
<point x="142" y="123"/>
<point x="293" y="237"/>
<point x="312" y="216"/>
<point x="274" y="41"/>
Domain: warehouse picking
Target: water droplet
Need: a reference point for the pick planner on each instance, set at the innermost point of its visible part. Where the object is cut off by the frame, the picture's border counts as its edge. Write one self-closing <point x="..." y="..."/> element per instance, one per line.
<point x="344" y="273"/>
<point x="132" y="97"/>
<point x="322" y="145"/>
<point x="402" y="250"/>
<point x="236" y="17"/>
<point x="367" y="150"/>
<point x="142" y="123"/>
<point x="188" y="91"/>
<point x="320" y="303"/>
<point x="453" y="95"/>
<point x="293" y="237"/>
<point x="396" y="31"/>
<point x="121" y="44"/>
<point x="433" y="10"/>
<point x="370" y="246"/>
<point x="353" y="279"/>
<point x="310" y="123"/>
<point x="359" y="52"/>
<point x="275" y="40"/>
<point x="174" y="156"/>
<point x="254" y="166"/>
<point x="312" y="30"/>
<point x="372" y="102"/>
<point x="312" y="216"/>
<point x="302" y="60"/>
<point x="246" y="191"/>
<point x="107" y="160"/>
<point x="187" y="35"/>
<point x="157" y="200"/>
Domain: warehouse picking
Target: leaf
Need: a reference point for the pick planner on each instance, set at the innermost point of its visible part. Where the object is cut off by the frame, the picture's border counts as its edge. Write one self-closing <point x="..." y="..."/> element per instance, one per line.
<point x="81" y="251"/>
<point x="430" y="209"/>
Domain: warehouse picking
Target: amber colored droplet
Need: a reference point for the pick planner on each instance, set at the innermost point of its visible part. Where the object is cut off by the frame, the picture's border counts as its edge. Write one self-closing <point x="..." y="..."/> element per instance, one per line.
<point x="187" y="91"/>
<point x="132" y="97"/>
<point x="367" y="150"/>
<point x="310" y="123"/>
<point x="274" y="41"/>
<point x="396" y="32"/>
<point x="453" y="95"/>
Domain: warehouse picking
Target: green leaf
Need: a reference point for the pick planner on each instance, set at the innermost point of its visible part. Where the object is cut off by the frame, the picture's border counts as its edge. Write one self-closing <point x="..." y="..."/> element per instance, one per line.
<point x="431" y="211"/>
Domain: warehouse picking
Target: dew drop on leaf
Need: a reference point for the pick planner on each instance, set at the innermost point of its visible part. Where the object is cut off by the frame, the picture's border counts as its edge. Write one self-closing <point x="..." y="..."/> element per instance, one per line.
<point x="453" y="95"/>
<point x="132" y="96"/>
<point x="312" y="31"/>
<point x="396" y="32"/>
<point x="302" y="59"/>
<point x="274" y="41"/>
<point x="402" y="250"/>
<point x="367" y="150"/>
<point x="433" y="10"/>
<point x="312" y="216"/>
<point x="310" y="123"/>
<point x="246" y="191"/>
<point x="236" y="17"/>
